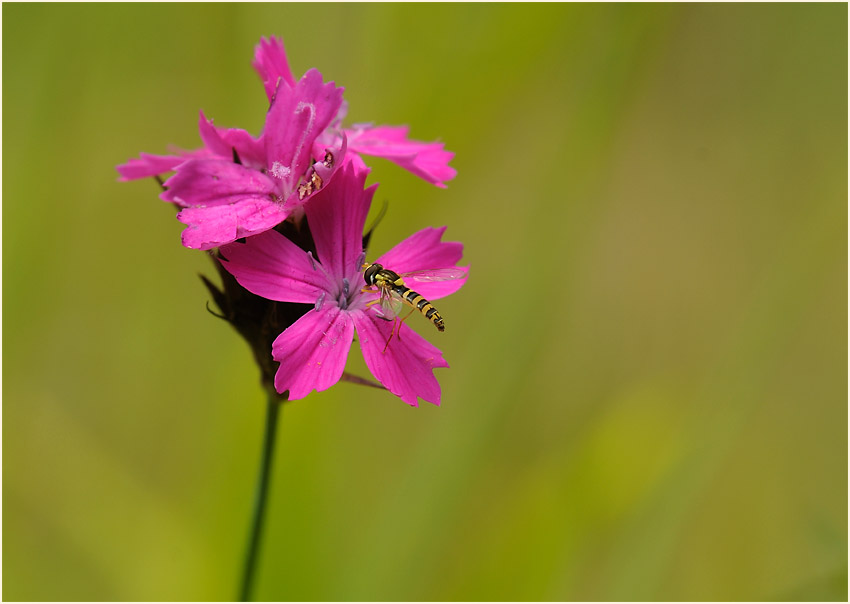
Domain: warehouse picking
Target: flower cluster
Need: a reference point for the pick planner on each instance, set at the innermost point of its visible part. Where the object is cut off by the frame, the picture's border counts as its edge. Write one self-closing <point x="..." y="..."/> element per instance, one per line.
<point x="284" y="215"/>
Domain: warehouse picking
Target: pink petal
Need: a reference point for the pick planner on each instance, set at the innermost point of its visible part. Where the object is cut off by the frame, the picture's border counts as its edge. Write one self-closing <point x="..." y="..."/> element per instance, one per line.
<point x="297" y="116"/>
<point x="406" y="368"/>
<point x="217" y="225"/>
<point x="223" y="141"/>
<point x="336" y="216"/>
<point x="330" y="137"/>
<point x="205" y="182"/>
<point x="224" y="201"/>
<point x="336" y="154"/>
<point x="423" y="250"/>
<point x="152" y="165"/>
<point x="429" y="161"/>
<point x="273" y="267"/>
<point x="270" y="62"/>
<point x="312" y="352"/>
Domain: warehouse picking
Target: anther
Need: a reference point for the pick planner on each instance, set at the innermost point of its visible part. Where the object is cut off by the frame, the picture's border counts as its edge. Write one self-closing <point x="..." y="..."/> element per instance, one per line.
<point x="320" y="302"/>
<point x="304" y="190"/>
<point x="312" y="260"/>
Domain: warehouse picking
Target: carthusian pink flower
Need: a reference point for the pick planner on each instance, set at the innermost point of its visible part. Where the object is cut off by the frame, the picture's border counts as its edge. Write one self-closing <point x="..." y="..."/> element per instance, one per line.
<point x="237" y="185"/>
<point x="312" y="352"/>
<point x="226" y="199"/>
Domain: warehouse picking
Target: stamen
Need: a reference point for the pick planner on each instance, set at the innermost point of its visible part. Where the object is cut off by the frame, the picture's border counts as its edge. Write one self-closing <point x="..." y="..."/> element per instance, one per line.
<point x="313" y="184"/>
<point x="361" y="259"/>
<point x="345" y="287"/>
<point x="312" y="260"/>
<point x="320" y="301"/>
<point x="304" y="189"/>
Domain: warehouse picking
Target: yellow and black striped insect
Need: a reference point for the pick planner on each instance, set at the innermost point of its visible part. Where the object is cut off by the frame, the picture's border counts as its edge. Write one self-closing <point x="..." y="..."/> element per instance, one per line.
<point x="395" y="294"/>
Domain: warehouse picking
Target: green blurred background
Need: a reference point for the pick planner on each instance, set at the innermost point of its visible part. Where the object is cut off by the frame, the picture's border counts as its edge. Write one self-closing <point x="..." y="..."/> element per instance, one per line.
<point x="648" y="392"/>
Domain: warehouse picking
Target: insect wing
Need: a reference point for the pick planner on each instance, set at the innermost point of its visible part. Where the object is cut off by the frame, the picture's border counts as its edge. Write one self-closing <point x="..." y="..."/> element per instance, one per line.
<point x="429" y="276"/>
<point x="391" y="304"/>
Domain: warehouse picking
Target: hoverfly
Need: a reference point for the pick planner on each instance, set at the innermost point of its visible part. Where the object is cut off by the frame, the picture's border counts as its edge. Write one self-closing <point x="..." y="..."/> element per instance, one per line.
<point x="395" y="294"/>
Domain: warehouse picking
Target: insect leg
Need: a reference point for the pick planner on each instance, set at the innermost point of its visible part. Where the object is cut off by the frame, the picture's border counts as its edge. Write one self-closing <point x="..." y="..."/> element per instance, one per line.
<point x="412" y="308"/>
<point x="392" y="333"/>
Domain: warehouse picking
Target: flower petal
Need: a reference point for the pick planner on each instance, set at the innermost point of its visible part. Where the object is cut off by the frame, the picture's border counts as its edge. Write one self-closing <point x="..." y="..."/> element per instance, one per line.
<point x="424" y="251"/>
<point x="270" y="62"/>
<point x="273" y="267"/>
<point x="224" y="201"/>
<point x="312" y="352"/>
<point x="297" y="116"/>
<point x="224" y="141"/>
<point x="328" y="159"/>
<point x="336" y="216"/>
<point x="406" y="368"/>
<point x="205" y="182"/>
<point x="217" y="225"/>
<point x="429" y="161"/>
<point x="152" y="165"/>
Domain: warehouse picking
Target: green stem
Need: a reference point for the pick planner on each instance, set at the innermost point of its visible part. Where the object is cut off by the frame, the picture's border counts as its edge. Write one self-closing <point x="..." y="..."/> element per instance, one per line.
<point x="272" y="410"/>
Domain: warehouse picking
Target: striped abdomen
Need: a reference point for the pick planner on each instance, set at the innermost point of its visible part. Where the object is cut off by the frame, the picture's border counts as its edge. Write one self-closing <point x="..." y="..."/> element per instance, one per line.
<point x="419" y="301"/>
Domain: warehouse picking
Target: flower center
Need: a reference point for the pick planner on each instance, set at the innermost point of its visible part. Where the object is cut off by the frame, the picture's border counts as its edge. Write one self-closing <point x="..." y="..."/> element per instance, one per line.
<point x="343" y="292"/>
<point x="343" y="298"/>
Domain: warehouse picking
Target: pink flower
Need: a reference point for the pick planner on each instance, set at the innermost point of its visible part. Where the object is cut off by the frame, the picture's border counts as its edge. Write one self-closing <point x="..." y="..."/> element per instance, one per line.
<point x="251" y="185"/>
<point x="312" y="352"/>
<point x="237" y="185"/>
<point x="429" y="161"/>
